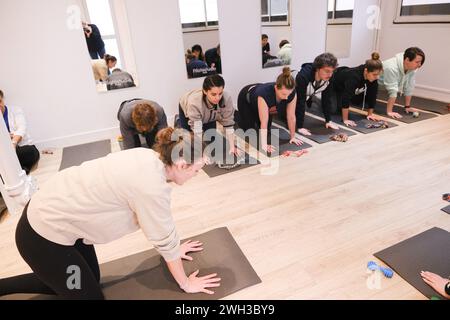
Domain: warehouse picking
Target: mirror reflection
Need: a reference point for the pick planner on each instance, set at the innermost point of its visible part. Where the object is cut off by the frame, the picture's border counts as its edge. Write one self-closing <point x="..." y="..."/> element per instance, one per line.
<point x="276" y="33"/>
<point x="200" y="25"/>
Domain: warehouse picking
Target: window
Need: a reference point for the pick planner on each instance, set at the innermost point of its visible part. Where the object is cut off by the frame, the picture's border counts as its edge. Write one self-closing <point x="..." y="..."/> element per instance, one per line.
<point x="275" y="12"/>
<point x="340" y="11"/>
<point x="99" y="13"/>
<point x="423" y="11"/>
<point x="199" y="14"/>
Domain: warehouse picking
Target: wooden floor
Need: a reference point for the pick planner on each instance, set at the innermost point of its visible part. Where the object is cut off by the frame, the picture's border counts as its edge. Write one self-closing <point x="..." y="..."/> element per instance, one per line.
<point x="309" y="230"/>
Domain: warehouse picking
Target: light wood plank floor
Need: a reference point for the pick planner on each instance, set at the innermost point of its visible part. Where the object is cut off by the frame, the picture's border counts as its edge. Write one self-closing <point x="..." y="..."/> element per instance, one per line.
<point x="309" y="230"/>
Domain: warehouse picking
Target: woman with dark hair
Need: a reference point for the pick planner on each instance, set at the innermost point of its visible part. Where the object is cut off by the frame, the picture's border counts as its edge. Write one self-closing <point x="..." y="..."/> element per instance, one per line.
<point x="101" y="201"/>
<point x="358" y="86"/>
<point x="314" y="82"/>
<point x="255" y="101"/>
<point x="201" y="109"/>
<point x="94" y="41"/>
<point x="102" y="67"/>
<point x="197" y="51"/>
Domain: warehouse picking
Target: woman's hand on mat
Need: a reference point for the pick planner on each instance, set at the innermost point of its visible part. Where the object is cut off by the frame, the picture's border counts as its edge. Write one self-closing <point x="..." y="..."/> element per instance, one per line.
<point x="436" y="282"/>
<point x="296" y="141"/>
<point x="269" y="148"/>
<point x="304" y="132"/>
<point x="350" y="123"/>
<point x="394" y="115"/>
<point x="190" y="246"/>
<point x="373" y="117"/>
<point x="196" y="284"/>
<point x="331" y="125"/>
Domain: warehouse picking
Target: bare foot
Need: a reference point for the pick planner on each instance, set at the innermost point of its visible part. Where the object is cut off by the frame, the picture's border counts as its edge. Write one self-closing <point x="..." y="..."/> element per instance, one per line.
<point x="436" y="282"/>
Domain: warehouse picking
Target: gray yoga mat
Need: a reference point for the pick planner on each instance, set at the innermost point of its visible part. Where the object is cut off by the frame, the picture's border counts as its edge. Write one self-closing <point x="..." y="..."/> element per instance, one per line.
<point x="428" y="251"/>
<point x="446" y="209"/>
<point x="420" y="103"/>
<point x="319" y="133"/>
<point x="380" y="108"/>
<point x="144" y="276"/>
<point x="360" y="120"/>
<point x="245" y="161"/>
<point x="76" y="155"/>
<point x="278" y="133"/>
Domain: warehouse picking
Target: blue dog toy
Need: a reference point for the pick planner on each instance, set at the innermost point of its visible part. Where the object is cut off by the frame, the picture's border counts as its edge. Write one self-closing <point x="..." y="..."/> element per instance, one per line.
<point x="373" y="266"/>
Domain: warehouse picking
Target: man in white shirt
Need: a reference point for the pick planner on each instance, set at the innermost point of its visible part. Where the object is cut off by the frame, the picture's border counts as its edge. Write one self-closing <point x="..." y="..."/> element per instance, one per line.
<point x="16" y="124"/>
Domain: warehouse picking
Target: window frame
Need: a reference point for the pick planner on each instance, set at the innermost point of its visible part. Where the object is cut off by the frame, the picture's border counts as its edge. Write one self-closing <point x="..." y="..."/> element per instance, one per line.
<point x="275" y="23"/>
<point x="206" y="27"/>
<point x="338" y="21"/>
<point x="418" y="19"/>
<point x="116" y="35"/>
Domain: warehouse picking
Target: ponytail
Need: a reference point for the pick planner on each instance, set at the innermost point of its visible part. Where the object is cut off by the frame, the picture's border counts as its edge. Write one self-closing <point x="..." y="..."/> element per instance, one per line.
<point x="374" y="64"/>
<point x="285" y="79"/>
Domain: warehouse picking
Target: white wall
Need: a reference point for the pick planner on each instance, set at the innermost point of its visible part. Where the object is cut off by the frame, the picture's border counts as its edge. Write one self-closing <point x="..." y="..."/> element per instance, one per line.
<point x="45" y="68"/>
<point x="433" y="79"/>
<point x="339" y="40"/>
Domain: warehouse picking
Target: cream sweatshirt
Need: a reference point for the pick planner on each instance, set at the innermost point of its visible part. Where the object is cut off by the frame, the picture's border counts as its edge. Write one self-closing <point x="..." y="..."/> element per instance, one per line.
<point x="105" y="199"/>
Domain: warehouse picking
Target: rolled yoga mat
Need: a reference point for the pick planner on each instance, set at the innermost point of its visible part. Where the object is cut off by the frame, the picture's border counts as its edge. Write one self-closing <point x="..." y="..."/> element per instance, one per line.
<point x="144" y="276"/>
<point x="360" y="120"/>
<point x="76" y="155"/>
<point x="319" y="133"/>
<point x="245" y="161"/>
<point x="435" y="106"/>
<point x="428" y="251"/>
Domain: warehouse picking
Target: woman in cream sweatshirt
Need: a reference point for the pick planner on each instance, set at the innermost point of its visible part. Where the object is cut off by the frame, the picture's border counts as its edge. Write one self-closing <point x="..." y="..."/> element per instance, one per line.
<point x="101" y="201"/>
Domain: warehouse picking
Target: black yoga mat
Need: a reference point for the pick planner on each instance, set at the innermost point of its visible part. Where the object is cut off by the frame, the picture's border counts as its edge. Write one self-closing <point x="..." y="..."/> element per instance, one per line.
<point x="319" y="133"/>
<point x="281" y="134"/>
<point x="428" y="251"/>
<point x="380" y="108"/>
<point x="360" y="120"/>
<point x="446" y="209"/>
<point x="420" y="103"/>
<point x="76" y="155"/>
<point x="223" y="157"/>
<point x="144" y="276"/>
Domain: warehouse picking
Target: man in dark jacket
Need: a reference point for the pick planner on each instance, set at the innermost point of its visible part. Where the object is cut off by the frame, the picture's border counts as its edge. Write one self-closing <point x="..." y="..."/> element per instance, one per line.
<point x="313" y="83"/>
<point x="94" y="41"/>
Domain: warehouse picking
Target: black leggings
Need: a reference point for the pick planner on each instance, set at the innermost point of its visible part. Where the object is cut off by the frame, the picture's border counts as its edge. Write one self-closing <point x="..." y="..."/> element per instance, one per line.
<point x="50" y="263"/>
<point x="248" y="113"/>
<point x="28" y="157"/>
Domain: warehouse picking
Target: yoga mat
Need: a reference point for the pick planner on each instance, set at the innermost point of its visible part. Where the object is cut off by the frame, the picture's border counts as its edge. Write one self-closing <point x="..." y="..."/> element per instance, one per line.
<point x="446" y="209"/>
<point x="214" y="171"/>
<point x="360" y="120"/>
<point x="76" y="155"/>
<point x="283" y="137"/>
<point x="420" y="103"/>
<point x="319" y="133"/>
<point x="428" y="251"/>
<point x="144" y="276"/>
<point x="380" y="108"/>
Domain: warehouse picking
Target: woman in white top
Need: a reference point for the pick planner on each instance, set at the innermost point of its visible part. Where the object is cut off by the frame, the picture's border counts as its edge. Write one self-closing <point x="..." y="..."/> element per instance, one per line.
<point x="101" y="201"/>
<point x="101" y="67"/>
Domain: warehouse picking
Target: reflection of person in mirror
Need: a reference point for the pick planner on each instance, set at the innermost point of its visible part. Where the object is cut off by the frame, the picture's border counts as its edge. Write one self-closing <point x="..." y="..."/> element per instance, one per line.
<point x="213" y="58"/>
<point x="285" y="52"/>
<point x="119" y="79"/>
<point x="197" y="51"/>
<point x="16" y="125"/>
<point x="102" y="67"/>
<point x="140" y="117"/>
<point x="197" y="68"/>
<point x="256" y="103"/>
<point x="266" y="50"/>
<point x="201" y="109"/>
<point x="99" y="202"/>
<point x="94" y="41"/>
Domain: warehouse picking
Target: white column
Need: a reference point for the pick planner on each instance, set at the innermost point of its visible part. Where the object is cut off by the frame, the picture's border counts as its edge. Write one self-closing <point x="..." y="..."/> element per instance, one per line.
<point x="15" y="186"/>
